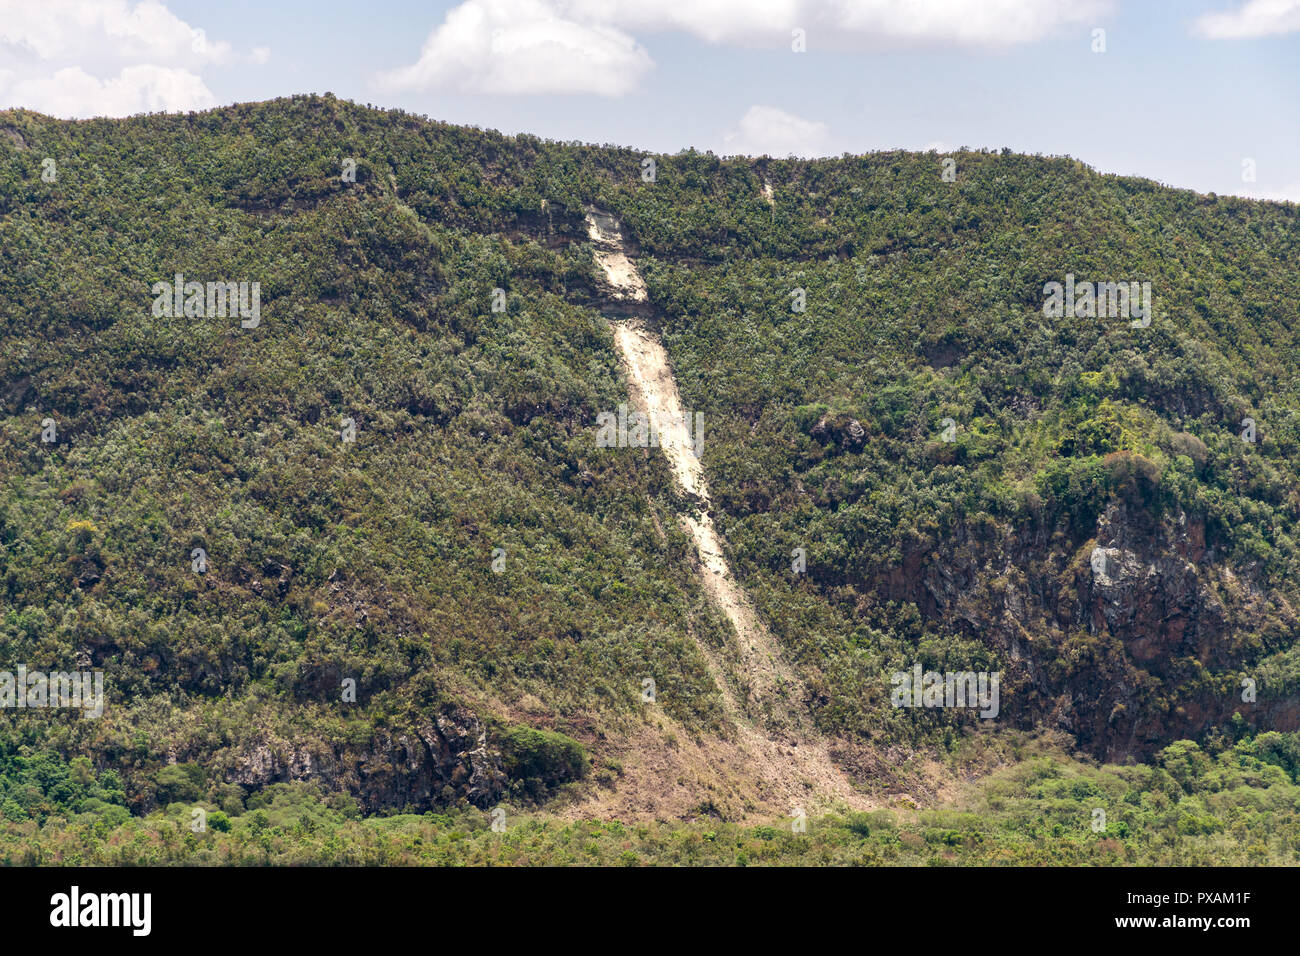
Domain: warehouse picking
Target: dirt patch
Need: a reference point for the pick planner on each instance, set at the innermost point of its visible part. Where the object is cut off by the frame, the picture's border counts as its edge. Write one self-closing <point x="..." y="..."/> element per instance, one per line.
<point x="620" y="273"/>
<point x="774" y="761"/>
<point x="14" y="137"/>
<point x="666" y="774"/>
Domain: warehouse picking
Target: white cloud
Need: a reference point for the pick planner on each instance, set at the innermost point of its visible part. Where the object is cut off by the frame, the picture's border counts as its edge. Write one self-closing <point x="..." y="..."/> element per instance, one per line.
<point x="522" y="46"/>
<point x="69" y="29"/>
<point x="1258" y="18"/>
<point x="587" y="46"/>
<point x="80" y="58"/>
<point x="994" y="24"/>
<point x="74" y="93"/>
<point x="716" y="21"/>
<point x="768" y="130"/>
<point x="853" y="24"/>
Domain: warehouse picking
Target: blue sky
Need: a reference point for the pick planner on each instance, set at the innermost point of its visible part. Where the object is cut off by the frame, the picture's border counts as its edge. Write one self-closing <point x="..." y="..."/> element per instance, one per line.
<point x="1184" y="93"/>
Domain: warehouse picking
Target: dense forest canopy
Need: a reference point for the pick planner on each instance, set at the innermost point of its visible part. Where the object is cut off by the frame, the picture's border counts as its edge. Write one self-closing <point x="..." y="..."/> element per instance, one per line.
<point x="880" y="385"/>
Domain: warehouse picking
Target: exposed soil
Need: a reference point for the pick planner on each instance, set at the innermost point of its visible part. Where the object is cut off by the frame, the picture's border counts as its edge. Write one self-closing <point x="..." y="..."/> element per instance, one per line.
<point x="774" y="761"/>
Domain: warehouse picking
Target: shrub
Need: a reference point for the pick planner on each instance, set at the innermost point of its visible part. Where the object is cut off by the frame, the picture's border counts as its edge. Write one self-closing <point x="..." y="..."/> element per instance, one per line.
<point x="859" y="823"/>
<point x="179" y="783"/>
<point x="540" y="760"/>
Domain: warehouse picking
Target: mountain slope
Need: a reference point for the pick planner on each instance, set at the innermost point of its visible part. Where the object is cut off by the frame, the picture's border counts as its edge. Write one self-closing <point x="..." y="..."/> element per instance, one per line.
<point x="498" y="586"/>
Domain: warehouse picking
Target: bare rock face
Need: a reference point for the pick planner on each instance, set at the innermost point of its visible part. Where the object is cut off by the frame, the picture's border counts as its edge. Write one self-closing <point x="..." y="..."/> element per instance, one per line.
<point x="436" y="761"/>
<point x="841" y="430"/>
<point x="1129" y="640"/>
<point x="1160" y="602"/>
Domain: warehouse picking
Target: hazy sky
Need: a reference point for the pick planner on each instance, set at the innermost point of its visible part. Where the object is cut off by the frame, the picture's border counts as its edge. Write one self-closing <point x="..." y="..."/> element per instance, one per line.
<point x="1184" y="93"/>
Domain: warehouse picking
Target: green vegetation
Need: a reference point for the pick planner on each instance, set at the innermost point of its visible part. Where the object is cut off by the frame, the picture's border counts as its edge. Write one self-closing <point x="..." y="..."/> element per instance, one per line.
<point x="541" y="759"/>
<point x="369" y="560"/>
<point x="1239" y="805"/>
<point x="372" y="561"/>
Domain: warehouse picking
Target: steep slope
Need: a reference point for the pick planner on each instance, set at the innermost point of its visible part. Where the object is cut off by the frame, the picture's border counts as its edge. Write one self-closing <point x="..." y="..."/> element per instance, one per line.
<point x="395" y="478"/>
<point x="778" y="747"/>
<point x="654" y="392"/>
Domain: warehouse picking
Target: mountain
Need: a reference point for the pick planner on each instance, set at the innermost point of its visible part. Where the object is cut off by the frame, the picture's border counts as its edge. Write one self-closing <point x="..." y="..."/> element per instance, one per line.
<point x="367" y="517"/>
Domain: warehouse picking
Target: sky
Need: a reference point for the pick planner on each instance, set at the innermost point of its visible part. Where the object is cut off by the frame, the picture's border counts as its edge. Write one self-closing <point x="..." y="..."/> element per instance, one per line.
<point x="1201" y="94"/>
